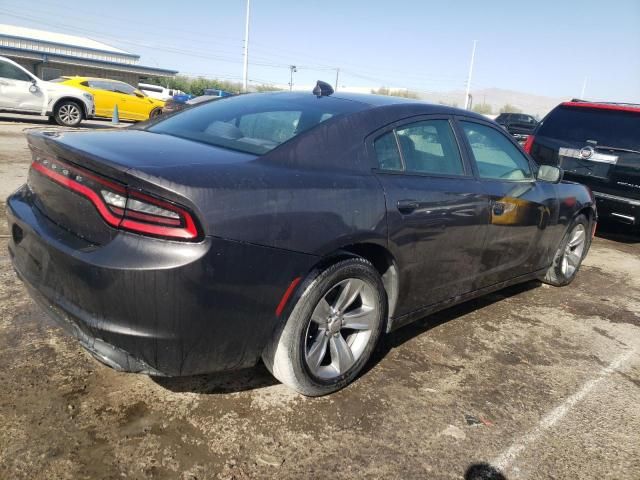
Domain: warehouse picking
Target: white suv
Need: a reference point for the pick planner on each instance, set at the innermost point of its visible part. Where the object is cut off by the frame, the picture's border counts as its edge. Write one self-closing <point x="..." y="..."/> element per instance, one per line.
<point x="23" y="92"/>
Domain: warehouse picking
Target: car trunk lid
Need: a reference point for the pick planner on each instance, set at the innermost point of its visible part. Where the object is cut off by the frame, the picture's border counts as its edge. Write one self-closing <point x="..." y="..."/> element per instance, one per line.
<point x="150" y="166"/>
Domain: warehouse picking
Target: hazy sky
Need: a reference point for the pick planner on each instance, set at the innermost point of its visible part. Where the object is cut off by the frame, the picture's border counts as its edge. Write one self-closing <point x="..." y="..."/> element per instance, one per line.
<point x="541" y="47"/>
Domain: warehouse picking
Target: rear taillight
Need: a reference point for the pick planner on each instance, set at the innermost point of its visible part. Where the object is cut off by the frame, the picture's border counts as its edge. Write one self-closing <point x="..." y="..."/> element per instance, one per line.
<point x="120" y="206"/>
<point x="529" y="143"/>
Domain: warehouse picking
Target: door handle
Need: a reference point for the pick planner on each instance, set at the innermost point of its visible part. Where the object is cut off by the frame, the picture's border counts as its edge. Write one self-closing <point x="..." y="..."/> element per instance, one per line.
<point x="407" y="206"/>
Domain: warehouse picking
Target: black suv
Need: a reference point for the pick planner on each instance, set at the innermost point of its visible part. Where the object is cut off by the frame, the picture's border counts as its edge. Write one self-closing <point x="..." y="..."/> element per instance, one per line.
<point x="519" y="125"/>
<point x="597" y="144"/>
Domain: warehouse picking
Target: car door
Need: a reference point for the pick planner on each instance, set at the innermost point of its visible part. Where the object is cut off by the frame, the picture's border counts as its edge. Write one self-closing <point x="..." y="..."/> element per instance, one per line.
<point x="104" y="97"/>
<point x="522" y="208"/>
<point x="131" y="106"/>
<point x="16" y="92"/>
<point x="437" y="214"/>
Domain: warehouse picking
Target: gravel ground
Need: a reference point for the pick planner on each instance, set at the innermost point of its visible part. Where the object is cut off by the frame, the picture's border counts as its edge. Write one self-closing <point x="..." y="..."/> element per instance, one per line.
<point x="533" y="381"/>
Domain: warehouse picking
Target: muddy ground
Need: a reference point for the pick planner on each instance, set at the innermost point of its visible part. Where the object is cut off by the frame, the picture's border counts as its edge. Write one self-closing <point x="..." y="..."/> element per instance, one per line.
<point x="535" y="381"/>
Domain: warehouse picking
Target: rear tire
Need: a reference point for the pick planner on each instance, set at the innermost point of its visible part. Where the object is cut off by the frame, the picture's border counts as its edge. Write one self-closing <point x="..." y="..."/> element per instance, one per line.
<point x="156" y="112"/>
<point x="572" y="250"/>
<point x="68" y="113"/>
<point x="332" y="330"/>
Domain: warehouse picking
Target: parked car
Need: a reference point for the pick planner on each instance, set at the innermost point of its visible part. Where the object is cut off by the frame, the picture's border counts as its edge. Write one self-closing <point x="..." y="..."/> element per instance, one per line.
<point x="519" y="125"/>
<point x="23" y="92"/>
<point x="597" y="144"/>
<point x="132" y="103"/>
<point x="294" y="227"/>
<point x="173" y="106"/>
<point x="159" y="92"/>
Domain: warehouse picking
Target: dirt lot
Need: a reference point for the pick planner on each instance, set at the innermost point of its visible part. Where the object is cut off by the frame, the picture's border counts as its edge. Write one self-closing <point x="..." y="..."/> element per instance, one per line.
<point x="536" y="381"/>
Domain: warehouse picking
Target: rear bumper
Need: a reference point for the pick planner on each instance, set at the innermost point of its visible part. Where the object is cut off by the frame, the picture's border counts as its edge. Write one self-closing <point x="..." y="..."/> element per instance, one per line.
<point x="620" y="209"/>
<point x="147" y="305"/>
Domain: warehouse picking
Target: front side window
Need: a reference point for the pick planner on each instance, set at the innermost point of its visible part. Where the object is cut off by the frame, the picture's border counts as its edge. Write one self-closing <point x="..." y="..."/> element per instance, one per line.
<point x="101" y="85"/>
<point x="125" y="88"/>
<point x="13" y="73"/>
<point x="496" y="157"/>
<point x="255" y="123"/>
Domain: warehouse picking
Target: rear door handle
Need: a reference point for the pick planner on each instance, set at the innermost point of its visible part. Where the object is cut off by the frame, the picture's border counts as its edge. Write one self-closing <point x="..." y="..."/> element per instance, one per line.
<point x="407" y="206"/>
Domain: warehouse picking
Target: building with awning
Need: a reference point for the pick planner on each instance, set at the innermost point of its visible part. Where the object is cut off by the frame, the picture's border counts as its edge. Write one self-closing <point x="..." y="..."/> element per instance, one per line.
<point x="51" y="55"/>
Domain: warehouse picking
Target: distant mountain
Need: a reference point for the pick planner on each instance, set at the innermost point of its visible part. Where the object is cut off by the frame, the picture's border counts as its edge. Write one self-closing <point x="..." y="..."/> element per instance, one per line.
<point x="497" y="98"/>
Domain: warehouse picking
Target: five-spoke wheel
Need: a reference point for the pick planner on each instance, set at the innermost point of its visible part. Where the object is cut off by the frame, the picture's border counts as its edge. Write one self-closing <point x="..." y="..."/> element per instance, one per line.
<point x="340" y="328"/>
<point x="571" y="251"/>
<point x="331" y="331"/>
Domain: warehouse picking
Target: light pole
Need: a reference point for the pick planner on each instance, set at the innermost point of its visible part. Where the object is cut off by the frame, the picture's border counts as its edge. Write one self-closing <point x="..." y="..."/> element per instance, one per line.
<point x="292" y="69"/>
<point x="246" y="48"/>
<point x="337" y="77"/>
<point x="466" y="97"/>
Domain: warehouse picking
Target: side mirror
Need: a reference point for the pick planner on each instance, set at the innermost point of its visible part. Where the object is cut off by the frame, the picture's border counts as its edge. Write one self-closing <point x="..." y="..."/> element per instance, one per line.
<point x="33" y="88"/>
<point x="549" y="173"/>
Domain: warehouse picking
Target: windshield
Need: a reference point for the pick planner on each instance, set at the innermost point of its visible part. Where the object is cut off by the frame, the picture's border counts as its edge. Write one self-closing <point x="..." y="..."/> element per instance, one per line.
<point x="255" y="123"/>
<point x="613" y="128"/>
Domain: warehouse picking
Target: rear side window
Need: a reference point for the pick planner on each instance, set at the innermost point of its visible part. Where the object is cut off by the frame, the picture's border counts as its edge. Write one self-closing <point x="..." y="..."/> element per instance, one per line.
<point x="496" y="157"/>
<point x="255" y="123"/>
<point x="613" y="128"/>
<point x="387" y="152"/>
<point x="425" y="147"/>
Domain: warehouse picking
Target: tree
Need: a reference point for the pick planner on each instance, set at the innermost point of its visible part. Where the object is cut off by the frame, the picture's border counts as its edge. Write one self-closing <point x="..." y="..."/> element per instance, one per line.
<point x="483" y="108"/>
<point x="508" y="108"/>
<point x="196" y="86"/>
<point x="267" y="88"/>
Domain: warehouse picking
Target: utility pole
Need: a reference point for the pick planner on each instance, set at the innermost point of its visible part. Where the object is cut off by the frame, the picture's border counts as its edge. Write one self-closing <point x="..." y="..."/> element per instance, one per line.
<point x="584" y="88"/>
<point x="246" y="49"/>
<point x="466" y="97"/>
<point x="292" y="69"/>
<point x="337" y="77"/>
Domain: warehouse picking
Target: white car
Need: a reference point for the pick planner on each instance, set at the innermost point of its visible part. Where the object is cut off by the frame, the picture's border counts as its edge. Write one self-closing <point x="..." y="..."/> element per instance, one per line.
<point x="156" y="91"/>
<point x="23" y="92"/>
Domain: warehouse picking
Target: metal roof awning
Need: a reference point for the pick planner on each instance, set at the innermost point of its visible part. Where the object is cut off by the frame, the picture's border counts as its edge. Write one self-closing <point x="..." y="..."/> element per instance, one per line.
<point x="82" y="62"/>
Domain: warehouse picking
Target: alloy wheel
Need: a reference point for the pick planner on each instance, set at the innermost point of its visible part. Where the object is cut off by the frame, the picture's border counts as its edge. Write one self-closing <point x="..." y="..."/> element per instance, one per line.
<point x="572" y="255"/>
<point x="69" y="114"/>
<point x="340" y="327"/>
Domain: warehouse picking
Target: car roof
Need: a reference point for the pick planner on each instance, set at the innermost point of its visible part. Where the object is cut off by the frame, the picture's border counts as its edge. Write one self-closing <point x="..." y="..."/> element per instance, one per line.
<point x="78" y="77"/>
<point x="625" y="107"/>
<point x="372" y="101"/>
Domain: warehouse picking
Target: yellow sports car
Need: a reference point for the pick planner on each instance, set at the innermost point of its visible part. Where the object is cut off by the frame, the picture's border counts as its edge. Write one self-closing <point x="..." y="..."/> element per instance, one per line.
<point x="132" y="103"/>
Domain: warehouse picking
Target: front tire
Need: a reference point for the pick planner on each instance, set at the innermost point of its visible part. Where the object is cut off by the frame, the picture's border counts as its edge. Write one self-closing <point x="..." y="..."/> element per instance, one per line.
<point x="572" y="250"/>
<point x="68" y="113"/>
<point x="331" y="331"/>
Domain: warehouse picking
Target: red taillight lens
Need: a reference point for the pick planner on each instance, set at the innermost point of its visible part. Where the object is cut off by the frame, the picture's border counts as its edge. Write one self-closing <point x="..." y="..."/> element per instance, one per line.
<point x="529" y="143"/>
<point x="120" y="206"/>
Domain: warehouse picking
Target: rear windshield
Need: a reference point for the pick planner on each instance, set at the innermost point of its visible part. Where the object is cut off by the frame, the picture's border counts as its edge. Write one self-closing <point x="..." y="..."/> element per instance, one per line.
<point x="611" y="128"/>
<point x="255" y="123"/>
